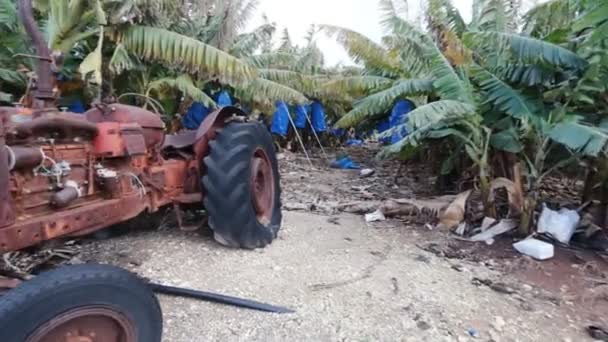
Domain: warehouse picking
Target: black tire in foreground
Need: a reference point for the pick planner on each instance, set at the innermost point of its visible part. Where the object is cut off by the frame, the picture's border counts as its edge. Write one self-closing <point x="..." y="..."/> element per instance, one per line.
<point x="90" y="301"/>
<point x="241" y="186"/>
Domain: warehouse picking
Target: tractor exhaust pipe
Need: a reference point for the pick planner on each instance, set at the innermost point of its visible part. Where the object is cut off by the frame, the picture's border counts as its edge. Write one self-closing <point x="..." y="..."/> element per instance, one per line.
<point x="7" y="216"/>
<point x="43" y="91"/>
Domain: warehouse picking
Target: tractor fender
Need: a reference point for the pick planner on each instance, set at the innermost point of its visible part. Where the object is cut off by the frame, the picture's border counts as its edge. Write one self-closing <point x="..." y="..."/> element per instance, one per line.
<point x="207" y="130"/>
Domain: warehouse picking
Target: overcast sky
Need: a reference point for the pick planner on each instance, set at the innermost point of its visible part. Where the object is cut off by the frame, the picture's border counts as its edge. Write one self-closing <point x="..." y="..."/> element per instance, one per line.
<point x="359" y="15"/>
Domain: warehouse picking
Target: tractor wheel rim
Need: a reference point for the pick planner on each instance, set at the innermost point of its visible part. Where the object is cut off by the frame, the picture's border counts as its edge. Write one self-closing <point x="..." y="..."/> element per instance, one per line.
<point x="262" y="186"/>
<point x="87" y="324"/>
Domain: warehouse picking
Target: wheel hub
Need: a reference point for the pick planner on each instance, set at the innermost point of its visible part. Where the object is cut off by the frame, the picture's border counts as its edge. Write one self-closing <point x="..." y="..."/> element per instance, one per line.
<point x="262" y="186"/>
<point x="87" y="324"/>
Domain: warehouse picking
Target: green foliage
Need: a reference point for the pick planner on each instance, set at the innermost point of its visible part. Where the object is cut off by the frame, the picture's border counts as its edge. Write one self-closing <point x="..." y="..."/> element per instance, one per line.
<point x="582" y="138"/>
<point x="357" y="85"/>
<point x="184" y="53"/>
<point x="121" y="61"/>
<point x="265" y="93"/>
<point x="523" y="49"/>
<point x="381" y="101"/>
<point x="12" y="77"/>
<point x="501" y="95"/>
<point x="435" y="112"/>
<point x="362" y="49"/>
<point x="185" y="85"/>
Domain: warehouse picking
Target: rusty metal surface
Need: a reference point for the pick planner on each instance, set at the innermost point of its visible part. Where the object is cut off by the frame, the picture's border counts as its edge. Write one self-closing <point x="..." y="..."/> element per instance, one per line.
<point x="262" y="186"/>
<point x="217" y="118"/>
<point x="9" y="283"/>
<point x="6" y="212"/>
<point x="133" y="139"/>
<point x="90" y="217"/>
<point x="153" y="126"/>
<point x="111" y="156"/>
<point x="24" y="157"/>
<point x="138" y="178"/>
<point x="126" y="114"/>
<point x="69" y="125"/>
<point x="206" y="131"/>
<point x="179" y="140"/>
<point x="93" y="323"/>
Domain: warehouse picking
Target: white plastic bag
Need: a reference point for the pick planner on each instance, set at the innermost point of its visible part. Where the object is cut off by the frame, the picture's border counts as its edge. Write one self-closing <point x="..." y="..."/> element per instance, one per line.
<point x="559" y="224"/>
<point x="537" y="249"/>
<point x="375" y="216"/>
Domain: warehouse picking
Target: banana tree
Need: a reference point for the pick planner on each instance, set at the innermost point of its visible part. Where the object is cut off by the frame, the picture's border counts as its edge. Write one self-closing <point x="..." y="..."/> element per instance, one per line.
<point x="12" y="70"/>
<point x="500" y="75"/>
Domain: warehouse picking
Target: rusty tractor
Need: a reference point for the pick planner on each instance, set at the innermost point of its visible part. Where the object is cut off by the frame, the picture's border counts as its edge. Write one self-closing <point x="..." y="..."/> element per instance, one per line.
<point x="65" y="175"/>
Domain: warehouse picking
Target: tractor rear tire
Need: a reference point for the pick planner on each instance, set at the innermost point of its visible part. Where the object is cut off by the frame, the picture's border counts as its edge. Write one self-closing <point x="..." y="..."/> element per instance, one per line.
<point x="241" y="186"/>
<point x="85" y="302"/>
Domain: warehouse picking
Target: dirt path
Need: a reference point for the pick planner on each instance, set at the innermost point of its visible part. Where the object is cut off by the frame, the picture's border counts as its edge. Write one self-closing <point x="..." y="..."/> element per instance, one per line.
<point x="347" y="280"/>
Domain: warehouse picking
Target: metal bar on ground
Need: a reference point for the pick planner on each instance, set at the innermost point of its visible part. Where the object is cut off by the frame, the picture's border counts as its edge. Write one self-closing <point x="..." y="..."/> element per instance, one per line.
<point x="218" y="298"/>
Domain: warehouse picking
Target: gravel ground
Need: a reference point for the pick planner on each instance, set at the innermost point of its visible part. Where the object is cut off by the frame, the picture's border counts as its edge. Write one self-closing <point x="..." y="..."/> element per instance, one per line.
<point x="346" y="279"/>
<point x="347" y="282"/>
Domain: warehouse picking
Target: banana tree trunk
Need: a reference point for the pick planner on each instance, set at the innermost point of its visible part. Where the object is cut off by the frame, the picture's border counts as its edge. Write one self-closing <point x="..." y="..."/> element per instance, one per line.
<point x="527" y="214"/>
<point x="589" y="183"/>
<point x="485" y="187"/>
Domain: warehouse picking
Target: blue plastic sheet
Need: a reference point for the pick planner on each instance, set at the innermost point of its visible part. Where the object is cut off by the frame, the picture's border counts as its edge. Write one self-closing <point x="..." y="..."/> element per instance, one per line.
<point x="280" y="119"/>
<point x="383" y="126"/>
<point x="198" y="111"/>
<point x="301" y="116"/>
<point x="399" y="116"/>
<point x="338" y="132"/>
<point x="223" y="99"/>
<point x="195" y="115"/>
<point x="76" y="106"/>
<point x="344" y="163"/>
<point x="318" y="117"/>
<point x="354" y="142"/>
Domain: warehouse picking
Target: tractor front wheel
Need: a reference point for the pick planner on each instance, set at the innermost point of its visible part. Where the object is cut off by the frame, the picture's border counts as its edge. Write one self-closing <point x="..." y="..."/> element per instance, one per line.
<point x="241" y="186"/>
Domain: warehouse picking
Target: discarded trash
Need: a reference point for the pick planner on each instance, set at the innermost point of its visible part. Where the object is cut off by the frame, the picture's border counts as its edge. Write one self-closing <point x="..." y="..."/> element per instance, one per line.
<point x="366" y="172"/>
<point x="344" y="163"/>
<point x="537" y="249"/>
<point x="486" y="223"/>
<point x="495" y="230"/>
<point x="559" y="224"/>
<point x="375" y="216"/>
<point x="473" y="332"/>
<point x="354" y="142"/>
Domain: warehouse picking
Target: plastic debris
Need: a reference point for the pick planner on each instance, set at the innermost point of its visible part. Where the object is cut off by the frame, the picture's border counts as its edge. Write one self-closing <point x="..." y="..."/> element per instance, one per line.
<point x="534" y="248"/>
<point x="366" y="172"/>
<point x="559" y="224"/>
<point x="495" y="230"/>
<point x="473" y="332"/>
<point x="375" y="216"/>
<point x="354" y="142"/>
<point x="344" y="163"/>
